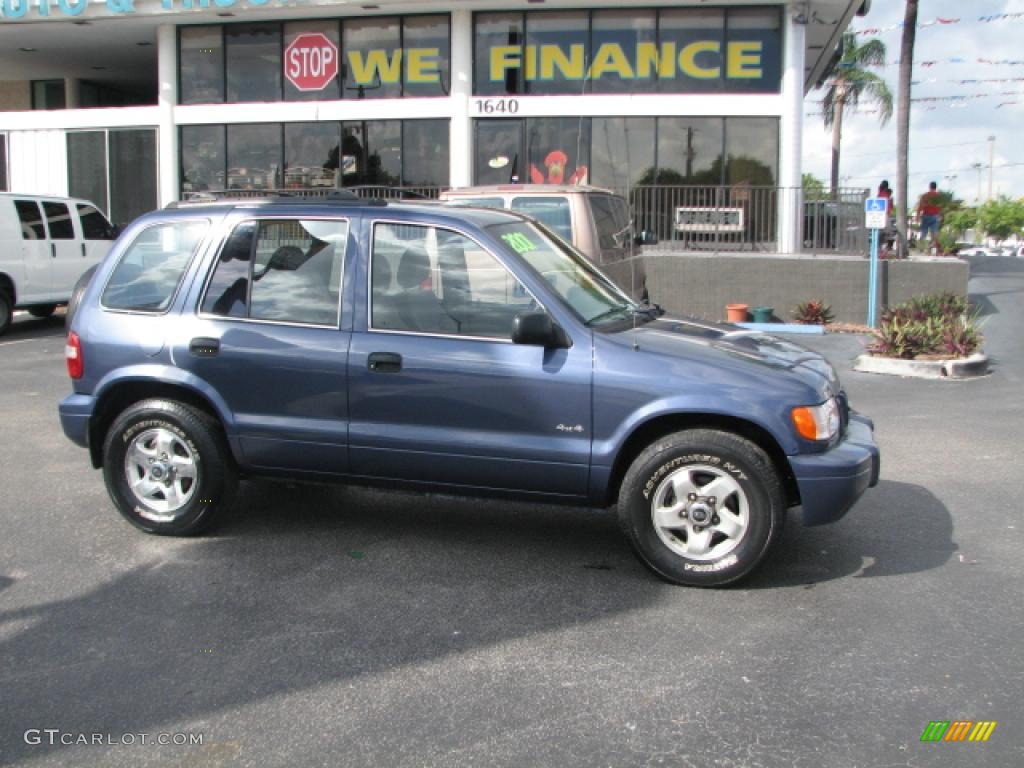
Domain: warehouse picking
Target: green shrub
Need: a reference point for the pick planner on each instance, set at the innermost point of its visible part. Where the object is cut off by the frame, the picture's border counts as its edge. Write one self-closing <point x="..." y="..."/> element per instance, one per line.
<point x="938" y="324"/>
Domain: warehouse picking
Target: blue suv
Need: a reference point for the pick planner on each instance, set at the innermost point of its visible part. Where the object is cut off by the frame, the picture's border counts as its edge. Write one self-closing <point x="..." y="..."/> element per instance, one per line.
<point x="442" y="349"/>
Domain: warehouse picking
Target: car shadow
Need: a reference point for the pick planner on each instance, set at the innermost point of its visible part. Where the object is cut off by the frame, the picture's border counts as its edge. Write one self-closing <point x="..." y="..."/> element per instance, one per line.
<point x="24" y="326"/>
<point x="895" y="528"/>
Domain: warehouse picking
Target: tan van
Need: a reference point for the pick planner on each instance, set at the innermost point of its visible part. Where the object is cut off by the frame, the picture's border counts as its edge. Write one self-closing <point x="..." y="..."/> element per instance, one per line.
<point x="595" y="220"/>
<point x="46" y="243"/>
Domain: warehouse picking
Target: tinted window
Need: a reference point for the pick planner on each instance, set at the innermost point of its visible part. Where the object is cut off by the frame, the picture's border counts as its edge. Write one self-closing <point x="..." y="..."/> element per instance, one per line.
<point x="132" y="174"/>
<point x="425" y="153"/>
<point x="499" y="44"/>
<point x="254" y="156"/>
<point x="228" y="291"/>
<point x="296" y="274"/>
<point x="253" y="56"/>
<point x="87" y="166"/>
<point x="94" y="224"/>
<point x="32" y="227"/>
<point x="203" y="153"/>
<point x="427" y="280"/>
<point x="611" y="221"/>
<point x="615" y="32"/>
<point x="202" y="65"/>
<point x="3" y="161"/>
<point x="152" y="266"/>
<point x="372" y="153"/>
<point x="426" y="43"/>
<point x="373" y="55"/>
<point x="562" y="43"/>
<point x="480" y="202"/>
<point x="553" y="212"/>
<point x="292" y="30"/>
<point x="59" y="220"/>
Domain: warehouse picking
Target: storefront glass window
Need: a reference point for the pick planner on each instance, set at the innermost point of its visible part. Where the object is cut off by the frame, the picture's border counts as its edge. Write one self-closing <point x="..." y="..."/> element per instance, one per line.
<point x="425" y="153"/>
<point x="202" y="158"/>
<point x="426" y="55"/>
<point x="132" y="174"/>
<point x="752" y="151"/>
<point x="87" y="166"/>
<point x="311" y="155"/>
<point x="561" y="40"/>
<point x="201" y="62"/>
<point x="621" y="151"/>
<point x="372" y="153"/>
<point x="689" y="151"/>
<point x="558" y="149"/>
<point x="253" y="58"/>
<point x="695" y="40"/>
<point x="330" y="30"/>
<point x="373" y="58"/>
<point x="755" y="50"/>
<point x="616" y="36"/>
<point x="498" y="50"/>
<point x="499" y="152"/>
<point x="254" y="156"/>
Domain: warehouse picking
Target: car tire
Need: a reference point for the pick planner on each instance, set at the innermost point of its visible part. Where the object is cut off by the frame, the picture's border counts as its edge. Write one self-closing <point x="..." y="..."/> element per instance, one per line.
<point x="76" y="295"/>
<point x="701" y="507"/>
<point x="168" y="468"/>
<point x="6" y="312"/>
<point x="42" y="310"/>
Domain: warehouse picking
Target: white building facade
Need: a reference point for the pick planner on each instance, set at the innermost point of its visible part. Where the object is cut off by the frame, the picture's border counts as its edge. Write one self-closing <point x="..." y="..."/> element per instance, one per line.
<point x="136" y="103"/>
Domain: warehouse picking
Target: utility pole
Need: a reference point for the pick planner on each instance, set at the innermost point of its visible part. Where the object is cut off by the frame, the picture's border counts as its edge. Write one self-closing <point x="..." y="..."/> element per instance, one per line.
<point x="977" y="167"/>
<point x="991" y="158"/>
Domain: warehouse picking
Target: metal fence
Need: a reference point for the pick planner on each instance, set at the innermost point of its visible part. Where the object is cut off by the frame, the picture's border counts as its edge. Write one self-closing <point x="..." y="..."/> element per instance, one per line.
<point x="741" y="218"/>
<point x="716" y="219"/>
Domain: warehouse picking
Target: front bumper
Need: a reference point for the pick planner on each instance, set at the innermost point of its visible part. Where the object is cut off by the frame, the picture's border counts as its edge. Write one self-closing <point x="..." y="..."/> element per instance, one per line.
<point x="831" y="482"/>
<point x="75" y="412"/>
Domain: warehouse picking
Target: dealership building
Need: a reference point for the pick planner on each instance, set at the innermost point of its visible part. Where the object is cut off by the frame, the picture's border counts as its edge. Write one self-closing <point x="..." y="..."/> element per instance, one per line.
<point x="136" y="103"/>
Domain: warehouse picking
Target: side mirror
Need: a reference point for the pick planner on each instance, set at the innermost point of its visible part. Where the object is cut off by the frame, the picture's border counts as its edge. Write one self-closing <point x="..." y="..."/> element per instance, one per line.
<point x="646" y="237"/>
<point x="537" y="329"/>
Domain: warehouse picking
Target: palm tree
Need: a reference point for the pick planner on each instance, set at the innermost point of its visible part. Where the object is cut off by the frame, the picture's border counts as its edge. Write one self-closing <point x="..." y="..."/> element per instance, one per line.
<point x="851" y="82"/>
<point x="903" y="120"/>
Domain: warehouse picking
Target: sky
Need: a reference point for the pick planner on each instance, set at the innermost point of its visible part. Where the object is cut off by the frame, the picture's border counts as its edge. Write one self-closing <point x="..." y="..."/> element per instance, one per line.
<point x="947" y="136"/>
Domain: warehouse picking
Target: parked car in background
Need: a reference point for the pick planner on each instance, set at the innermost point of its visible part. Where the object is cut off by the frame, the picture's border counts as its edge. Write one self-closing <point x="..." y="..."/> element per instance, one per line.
<point x="46" y="243"/>
<point x="443" y="348"/>
<point x="979" y="250"/>
<point x="596" y="221"/>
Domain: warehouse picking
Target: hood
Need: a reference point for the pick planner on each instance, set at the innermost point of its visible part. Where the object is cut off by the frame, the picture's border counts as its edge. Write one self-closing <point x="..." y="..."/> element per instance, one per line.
<point x="672" y="335"/>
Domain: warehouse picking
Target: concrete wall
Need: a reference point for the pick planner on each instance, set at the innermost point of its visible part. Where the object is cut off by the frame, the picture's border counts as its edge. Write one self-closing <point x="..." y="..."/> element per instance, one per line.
<point x="702" y="285"/>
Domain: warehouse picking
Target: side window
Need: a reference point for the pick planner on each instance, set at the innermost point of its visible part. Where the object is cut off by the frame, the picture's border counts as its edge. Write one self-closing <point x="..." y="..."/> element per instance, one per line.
<point x="151" y="268"/>
<point x="94" y="224"/>
<point x="441" y="282"/>
<point x="552" y="212"/>
<point x="32" y="227"/>
<point x="611" y="220"/>
<point x="287" y="270"/>
<point x="58" y="218"/>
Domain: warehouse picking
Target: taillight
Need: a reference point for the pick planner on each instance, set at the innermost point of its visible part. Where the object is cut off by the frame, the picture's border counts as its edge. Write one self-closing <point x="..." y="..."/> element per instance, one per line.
<point x="73" y="356"/>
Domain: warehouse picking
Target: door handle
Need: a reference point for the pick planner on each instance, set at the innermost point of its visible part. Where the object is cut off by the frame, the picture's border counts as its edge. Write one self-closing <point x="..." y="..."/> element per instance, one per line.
<point x="384" y="362"/>
<point x="83" y="250"/>
<point x="53" y="250"/>
<point x="203" y="346"/>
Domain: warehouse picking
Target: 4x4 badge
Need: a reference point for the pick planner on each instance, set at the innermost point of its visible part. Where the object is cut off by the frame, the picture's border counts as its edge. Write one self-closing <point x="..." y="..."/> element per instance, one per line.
<point x="563" y="428"/>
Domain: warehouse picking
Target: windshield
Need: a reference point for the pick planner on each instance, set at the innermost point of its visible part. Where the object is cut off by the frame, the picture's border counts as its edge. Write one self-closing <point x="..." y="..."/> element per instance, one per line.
<point x="590" y="294"/>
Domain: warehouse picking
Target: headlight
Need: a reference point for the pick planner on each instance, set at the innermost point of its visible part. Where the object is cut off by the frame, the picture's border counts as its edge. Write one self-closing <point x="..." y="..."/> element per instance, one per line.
<point x="817" y="422"/>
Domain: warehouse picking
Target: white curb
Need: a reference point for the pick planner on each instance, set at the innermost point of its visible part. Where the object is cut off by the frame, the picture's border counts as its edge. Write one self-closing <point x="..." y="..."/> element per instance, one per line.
<point x="965" y="368"/>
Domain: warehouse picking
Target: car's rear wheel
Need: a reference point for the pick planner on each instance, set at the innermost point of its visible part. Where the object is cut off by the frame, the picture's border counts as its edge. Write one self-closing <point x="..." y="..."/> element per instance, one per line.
<point x="168" y="468"/>
<point x="701" y="507"/>
<point x="6" y="312"/>
<point x="42" y="310"/>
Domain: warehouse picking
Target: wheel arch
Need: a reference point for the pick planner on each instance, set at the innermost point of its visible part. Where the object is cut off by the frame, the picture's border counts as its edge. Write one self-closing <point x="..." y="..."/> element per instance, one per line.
<point x="121" y="394"/>
<point x="659" y="426"/>
<point x="7" y="286"/>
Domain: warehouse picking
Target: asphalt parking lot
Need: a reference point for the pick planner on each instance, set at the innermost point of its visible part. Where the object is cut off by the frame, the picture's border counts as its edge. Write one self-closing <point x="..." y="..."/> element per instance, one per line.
<point x="350" y="627"/>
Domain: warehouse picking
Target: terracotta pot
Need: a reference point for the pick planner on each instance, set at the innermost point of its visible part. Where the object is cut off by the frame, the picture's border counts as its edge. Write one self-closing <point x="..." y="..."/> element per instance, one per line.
<point x="736" y="313"/>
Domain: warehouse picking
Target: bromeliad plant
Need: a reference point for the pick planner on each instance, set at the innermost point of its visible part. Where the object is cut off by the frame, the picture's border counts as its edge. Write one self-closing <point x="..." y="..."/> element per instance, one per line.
<point x="813" y="312"/>
<point x="936" y="325"/>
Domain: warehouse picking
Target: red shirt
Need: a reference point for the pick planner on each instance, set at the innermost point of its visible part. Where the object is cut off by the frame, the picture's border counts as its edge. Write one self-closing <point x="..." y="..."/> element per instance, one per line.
<point x="928" y="204"/>
<point x="887" y="194"/>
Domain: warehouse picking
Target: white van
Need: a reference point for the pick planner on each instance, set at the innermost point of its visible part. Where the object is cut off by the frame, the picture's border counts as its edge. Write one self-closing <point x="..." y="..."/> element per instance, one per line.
<point x="46" y="243"/>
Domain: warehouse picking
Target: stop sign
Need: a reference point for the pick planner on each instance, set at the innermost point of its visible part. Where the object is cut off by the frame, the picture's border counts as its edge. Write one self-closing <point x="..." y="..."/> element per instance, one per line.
<point x="311" y="61"/>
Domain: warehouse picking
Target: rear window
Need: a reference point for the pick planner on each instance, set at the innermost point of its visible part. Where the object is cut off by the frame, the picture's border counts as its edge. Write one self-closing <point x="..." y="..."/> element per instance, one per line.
<point x="94" y="224"/>
<point x="479" y="202"/>
<point x="552" y="212"/>
<point x="148" y="274"/>
<point x="612" y="220"/>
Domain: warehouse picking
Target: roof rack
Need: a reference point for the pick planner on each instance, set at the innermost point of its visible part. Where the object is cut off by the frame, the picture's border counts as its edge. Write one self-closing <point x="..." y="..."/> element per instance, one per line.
<point x="242" y="197"/>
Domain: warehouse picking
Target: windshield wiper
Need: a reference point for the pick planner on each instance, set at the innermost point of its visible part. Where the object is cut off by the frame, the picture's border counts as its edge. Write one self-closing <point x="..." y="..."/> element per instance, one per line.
<point x="610" y="313"/>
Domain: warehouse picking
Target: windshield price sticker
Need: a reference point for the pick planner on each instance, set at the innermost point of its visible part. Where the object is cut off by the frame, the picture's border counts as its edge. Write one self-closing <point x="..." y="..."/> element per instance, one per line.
<point x="519" y="242"/>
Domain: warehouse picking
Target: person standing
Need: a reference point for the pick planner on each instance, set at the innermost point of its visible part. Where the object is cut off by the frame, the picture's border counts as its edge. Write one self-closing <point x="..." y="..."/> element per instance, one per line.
<point x="889" y="233"/>
<point x="929" y="209"/>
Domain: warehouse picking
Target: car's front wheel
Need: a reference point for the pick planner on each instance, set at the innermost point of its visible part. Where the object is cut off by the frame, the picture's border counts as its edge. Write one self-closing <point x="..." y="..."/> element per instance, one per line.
<point x="168" y="468"/>
<point x="701" y="507"/>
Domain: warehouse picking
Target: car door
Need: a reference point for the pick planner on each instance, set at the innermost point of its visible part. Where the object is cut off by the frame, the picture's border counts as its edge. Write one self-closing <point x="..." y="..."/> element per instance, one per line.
<point x="37" y="263"/>
<point x="65" y="250"/>
<point x="439" y="394"/>
<point x="266" y="338"/>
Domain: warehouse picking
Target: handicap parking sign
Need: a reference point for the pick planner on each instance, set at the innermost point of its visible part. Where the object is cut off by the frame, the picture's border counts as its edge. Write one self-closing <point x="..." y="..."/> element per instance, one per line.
<point x="875" y="209"/>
